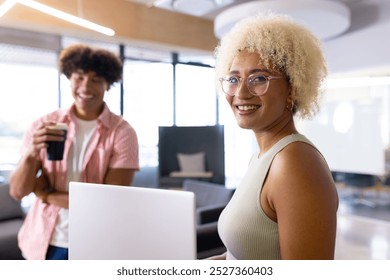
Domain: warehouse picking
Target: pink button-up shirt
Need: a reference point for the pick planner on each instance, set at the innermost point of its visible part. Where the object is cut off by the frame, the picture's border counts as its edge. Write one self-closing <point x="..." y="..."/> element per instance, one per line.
<point x="113" y="145"/>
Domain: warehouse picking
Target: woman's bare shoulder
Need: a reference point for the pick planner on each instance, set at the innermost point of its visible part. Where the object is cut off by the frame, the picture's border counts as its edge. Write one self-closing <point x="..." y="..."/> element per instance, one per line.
<point x="300" y="169"/>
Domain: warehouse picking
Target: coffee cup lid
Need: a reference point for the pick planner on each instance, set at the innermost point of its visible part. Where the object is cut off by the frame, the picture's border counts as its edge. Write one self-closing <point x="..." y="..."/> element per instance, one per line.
<point x="62" y="126"/>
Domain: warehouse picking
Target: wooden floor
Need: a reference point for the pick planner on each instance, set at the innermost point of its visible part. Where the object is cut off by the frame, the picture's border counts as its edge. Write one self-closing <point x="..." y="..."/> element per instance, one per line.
<point x="363" y="231"/>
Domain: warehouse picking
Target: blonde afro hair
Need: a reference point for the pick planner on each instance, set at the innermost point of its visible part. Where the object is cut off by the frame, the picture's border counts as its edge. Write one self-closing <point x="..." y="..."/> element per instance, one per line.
<point x="284" y="46"/>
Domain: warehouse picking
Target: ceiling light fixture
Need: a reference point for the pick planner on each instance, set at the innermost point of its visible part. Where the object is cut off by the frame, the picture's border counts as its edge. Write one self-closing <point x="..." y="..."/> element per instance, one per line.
<point x="194" y="7"/>
<point x="326" y="19"/>
<point x="8" y="4"/>
<point x="197" y="8"/>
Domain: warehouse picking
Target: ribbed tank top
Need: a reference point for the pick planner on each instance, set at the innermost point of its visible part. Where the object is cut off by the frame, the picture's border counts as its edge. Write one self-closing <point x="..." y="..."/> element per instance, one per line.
<point x="247" y="232"/>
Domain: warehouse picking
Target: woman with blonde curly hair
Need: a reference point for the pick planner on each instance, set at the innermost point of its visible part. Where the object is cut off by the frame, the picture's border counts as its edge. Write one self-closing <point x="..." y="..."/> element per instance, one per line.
<point x="270" y="68"/>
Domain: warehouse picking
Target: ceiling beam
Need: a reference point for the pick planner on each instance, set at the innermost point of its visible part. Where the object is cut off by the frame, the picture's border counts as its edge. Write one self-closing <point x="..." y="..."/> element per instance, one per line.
<point x="133" y="23"/>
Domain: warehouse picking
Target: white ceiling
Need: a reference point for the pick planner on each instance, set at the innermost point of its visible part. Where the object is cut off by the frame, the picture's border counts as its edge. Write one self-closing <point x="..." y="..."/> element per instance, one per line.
<point x="362" y="48"/>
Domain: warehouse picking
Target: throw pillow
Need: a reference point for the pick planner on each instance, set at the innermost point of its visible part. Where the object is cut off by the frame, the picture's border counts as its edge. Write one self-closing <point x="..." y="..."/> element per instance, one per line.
<point x="192" y="163"/>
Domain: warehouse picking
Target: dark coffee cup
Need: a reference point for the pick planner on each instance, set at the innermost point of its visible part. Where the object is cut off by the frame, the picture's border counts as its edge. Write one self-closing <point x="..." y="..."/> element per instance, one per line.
<point x="55" y="149"/>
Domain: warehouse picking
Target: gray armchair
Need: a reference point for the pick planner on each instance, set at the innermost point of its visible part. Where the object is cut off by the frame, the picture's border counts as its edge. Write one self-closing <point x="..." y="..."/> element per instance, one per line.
<point x="11" y="219"/>
<point x="211" y="199"/>
<point x="175" y="140"/>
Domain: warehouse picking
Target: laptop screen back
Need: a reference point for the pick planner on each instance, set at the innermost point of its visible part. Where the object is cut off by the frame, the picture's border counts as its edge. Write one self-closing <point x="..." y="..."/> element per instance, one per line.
<point x="108" y="222"/>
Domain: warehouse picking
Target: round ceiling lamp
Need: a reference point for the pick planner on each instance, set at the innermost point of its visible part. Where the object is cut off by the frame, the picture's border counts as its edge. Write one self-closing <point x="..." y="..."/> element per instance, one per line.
<point x="326" y="19"/>
<point x="194" y="7"/>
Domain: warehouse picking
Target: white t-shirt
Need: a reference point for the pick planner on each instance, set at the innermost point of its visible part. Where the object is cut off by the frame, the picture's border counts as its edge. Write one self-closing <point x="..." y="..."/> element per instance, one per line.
<point x="84" y="132"/>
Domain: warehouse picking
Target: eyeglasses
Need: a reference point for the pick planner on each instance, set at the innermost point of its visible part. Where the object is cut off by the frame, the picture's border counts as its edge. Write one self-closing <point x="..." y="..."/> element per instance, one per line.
<point x="257" y="84"/>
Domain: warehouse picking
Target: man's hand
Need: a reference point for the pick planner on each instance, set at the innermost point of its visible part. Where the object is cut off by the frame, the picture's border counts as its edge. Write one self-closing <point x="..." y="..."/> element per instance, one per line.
<point x="43" y="134"/>
<point x="42" y="188"/>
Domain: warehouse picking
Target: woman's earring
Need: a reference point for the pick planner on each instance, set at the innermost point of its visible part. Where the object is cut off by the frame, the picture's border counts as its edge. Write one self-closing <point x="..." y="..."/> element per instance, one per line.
<point x="291" y="108"/>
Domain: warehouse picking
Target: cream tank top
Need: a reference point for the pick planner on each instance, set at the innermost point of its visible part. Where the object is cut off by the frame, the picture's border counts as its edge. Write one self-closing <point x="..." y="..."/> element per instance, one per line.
<point x="247" y="232"/>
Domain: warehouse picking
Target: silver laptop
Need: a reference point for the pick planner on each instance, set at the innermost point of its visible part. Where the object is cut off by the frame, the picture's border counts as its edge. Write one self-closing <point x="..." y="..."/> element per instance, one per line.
<point x="108" y="222"/>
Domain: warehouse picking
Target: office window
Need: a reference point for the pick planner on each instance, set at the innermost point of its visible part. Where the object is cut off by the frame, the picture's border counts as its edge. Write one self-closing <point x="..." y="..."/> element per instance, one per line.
<point x="196" y="99"/>
<point x="148" y="103"/>
<point x="29" y="89"/>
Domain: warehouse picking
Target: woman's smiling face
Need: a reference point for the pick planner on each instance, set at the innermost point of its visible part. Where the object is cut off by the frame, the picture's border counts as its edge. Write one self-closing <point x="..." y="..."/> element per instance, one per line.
<point x="258" y="112"/>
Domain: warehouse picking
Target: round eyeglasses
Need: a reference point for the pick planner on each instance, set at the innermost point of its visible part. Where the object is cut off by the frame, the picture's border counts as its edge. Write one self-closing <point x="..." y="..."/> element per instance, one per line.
<point x="257" y="84"/>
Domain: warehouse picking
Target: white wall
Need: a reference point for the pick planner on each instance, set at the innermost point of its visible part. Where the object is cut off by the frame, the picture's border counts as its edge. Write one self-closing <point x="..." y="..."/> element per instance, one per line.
<point x="365" y="47"/>
<point x="352" y="129"/>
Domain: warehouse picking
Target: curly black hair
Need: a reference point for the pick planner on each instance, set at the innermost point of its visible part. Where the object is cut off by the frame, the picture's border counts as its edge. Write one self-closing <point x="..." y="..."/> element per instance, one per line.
<point x="103" y="62"/>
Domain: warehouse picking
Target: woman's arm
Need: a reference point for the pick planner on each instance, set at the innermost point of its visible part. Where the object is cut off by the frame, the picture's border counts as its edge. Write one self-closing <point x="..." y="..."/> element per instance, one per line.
<point x="302" y="194"/>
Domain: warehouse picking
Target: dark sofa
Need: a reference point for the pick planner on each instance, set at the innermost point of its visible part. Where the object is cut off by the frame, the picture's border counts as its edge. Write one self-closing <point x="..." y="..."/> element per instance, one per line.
<point x="11" y="219"/>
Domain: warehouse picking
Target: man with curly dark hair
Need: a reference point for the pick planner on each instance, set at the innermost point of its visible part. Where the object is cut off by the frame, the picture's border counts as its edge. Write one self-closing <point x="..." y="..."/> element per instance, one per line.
<point x="100" y="147"/>
<point x="104" y="63"/>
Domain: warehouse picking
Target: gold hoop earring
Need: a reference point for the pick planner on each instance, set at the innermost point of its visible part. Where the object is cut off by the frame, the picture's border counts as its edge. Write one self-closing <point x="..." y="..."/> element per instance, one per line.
<point x="291" y="108"/>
